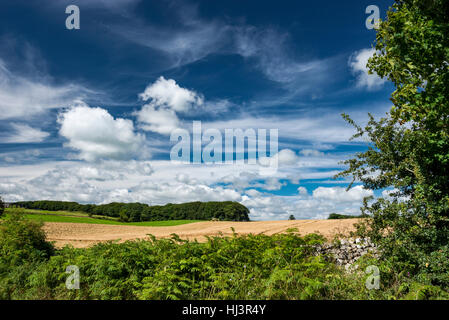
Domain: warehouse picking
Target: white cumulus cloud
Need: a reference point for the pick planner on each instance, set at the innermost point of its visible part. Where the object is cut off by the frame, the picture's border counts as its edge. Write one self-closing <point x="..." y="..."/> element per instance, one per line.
<point x="167" y="93"/>
<point x="302" y="191"/>
<point x="166" y="98"/>
<point x="357" y="64"/>
<point x="287" y="157"/>
<point x="97" y="135"/>
<point x="162" y="121"/>
<point x="340" y="194"/>
<point x="161" y="182"/>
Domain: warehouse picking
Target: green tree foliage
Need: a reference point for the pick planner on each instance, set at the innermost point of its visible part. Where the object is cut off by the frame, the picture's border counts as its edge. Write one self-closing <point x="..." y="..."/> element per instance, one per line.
<point x="335" y="216"/>
<point x="409" y="151"/>
<point x="23" y="248"/>
<point x="22" y="240"/>
<point x="2" y="206"/>
<point x="135" y="212"/>
<point x="292" y="217"/>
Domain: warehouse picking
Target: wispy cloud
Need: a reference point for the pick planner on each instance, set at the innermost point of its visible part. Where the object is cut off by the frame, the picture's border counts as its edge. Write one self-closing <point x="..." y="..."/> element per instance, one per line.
<point x="23" y="133"/>
<point x="22" y="97"/>
<point x="116" y="6"/>
<point x="328" y="128"/>
<point x="270" y="49"/>
<point x="194" y="38"/>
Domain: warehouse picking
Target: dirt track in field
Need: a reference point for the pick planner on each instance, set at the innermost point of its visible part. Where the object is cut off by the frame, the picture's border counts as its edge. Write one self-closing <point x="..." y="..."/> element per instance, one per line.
<point x="82" y="235"/>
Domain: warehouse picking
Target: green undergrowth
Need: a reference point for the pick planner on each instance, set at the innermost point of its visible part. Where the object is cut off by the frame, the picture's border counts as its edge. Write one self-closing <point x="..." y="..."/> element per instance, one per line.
<point x="281" y="266"/>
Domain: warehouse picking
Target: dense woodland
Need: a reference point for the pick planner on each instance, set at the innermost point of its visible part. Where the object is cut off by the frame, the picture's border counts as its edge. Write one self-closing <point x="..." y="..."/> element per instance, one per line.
<point x="135" y="212"/>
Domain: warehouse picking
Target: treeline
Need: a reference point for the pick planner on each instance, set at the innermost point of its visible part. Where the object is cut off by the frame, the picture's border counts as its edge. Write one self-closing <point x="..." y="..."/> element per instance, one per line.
<point x="135" y="212"/>
<point x="336" y="216"/>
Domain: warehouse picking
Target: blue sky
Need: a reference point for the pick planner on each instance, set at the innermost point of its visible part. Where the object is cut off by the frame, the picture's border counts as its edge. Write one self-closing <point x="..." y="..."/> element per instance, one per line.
<point x="86" y="115"/>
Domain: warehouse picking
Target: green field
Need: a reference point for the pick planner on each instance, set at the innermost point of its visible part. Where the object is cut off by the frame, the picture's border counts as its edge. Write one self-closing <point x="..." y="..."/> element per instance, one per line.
<point x="81" y="217"/>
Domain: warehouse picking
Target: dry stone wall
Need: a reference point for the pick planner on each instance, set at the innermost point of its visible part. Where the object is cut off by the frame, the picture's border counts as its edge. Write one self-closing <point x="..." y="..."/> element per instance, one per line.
<point x="348" y="251"/>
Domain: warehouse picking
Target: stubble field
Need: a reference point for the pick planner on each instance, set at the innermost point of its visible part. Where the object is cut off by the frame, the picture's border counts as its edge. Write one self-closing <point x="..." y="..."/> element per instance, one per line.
<point x="82" y="235"/>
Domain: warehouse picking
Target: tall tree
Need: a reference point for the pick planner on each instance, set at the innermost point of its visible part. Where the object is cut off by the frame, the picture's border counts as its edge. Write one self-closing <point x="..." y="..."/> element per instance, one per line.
<point x="409" y="147"/>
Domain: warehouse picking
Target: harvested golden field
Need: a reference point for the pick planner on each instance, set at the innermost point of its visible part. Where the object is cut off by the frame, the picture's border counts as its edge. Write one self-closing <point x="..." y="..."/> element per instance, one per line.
<point x="83" y="235"/>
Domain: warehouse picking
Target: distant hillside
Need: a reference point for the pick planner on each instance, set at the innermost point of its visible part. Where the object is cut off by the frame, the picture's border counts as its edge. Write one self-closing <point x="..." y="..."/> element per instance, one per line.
<point x="135" y="212"/>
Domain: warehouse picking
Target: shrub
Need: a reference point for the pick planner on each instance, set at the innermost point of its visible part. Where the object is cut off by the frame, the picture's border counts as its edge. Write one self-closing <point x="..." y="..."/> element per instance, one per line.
<point x="22" y="241"/>
<point x="23" y="249"/>
<point x="2" y="207"/>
